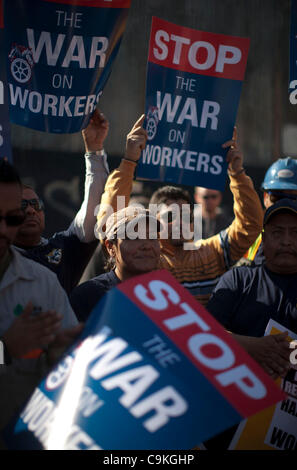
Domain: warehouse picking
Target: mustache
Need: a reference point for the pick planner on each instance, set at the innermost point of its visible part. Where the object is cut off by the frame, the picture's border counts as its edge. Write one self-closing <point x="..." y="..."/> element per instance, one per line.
<point x="31" y="218"/>
<point x="287" y="252"/>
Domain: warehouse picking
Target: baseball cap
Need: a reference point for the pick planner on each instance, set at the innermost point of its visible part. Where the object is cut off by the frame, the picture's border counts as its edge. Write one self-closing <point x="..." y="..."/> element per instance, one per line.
<point x="283" y="205"/>
<point x="130" y="222"/>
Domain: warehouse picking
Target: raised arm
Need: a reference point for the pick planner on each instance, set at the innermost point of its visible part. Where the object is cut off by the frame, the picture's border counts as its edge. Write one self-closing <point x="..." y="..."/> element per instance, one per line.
<point x="119" y="184"/>
<point x="247" y="224"/>
<point x="96" y="175"/>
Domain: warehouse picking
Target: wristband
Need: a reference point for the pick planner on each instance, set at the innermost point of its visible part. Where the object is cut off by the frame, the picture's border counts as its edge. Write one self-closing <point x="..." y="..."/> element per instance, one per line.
<point x="99" y="153"/>
<point x="235" y="174"/>
<point x="130" y="160"/>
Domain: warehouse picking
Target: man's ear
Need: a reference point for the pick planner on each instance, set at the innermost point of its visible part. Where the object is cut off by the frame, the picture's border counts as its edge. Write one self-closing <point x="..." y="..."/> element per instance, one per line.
<point x="109" y="245"/>
<point x="266" y="200"/>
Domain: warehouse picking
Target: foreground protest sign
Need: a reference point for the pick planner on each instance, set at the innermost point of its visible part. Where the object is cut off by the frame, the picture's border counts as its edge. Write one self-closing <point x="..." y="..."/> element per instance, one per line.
<point x="5" y="146"/>
<point x="59" y="57"/>
<point x="193" y="87"/>
<point x="152" y="370"/>
<point x="293" y="53"/>
<point x="276" y="427"/>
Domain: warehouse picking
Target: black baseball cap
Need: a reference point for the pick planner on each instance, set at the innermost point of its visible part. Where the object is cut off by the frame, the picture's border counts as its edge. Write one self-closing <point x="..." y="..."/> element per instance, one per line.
<point x="283" y="205"/>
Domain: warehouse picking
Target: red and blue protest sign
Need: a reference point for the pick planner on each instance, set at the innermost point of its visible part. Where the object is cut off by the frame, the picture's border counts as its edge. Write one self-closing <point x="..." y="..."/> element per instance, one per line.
<point x="59" y="57"/>
<point x="5" y="145"/>
<point x="293" y="53"/>
<point x="193" y="87"/>
<point x="151" y="370"/>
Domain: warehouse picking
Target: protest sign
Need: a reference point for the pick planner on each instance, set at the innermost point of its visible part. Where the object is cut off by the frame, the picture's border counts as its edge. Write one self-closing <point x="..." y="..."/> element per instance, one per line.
<point x="276" y="427"/>
<point x="293" y="53"/>
<point x="5" y="146"/>
<point x="59" y="57"/>
<point x="152" y="370"/>
<point x="193" y="87"/>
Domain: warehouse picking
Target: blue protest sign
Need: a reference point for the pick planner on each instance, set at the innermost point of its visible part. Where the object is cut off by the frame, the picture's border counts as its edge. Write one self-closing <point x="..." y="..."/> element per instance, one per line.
<point x="192" y="93"/>
<point x="5" y="146"/>
<point x="293" y="54"/>
<point x="145" y="375"/>
<point x="59" y="57"/>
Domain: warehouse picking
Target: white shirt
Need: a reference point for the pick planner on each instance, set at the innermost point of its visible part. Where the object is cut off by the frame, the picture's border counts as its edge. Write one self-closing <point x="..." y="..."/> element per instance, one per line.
<point x="25" y="281"/>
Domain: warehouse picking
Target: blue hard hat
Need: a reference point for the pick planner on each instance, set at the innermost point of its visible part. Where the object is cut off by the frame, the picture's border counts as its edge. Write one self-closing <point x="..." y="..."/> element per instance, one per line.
<point x="282" y="174"/>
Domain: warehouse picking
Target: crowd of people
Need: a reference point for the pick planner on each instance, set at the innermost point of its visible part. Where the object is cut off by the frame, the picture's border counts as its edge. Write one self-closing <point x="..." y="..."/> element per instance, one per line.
<point x="43" y="306"/>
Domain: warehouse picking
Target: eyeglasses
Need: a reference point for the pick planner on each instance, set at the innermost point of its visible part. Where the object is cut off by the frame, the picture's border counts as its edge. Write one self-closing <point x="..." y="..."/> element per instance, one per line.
<point x="13" y="220"/>
<point x="210" y="196"/>
<point x="37" y="204"/>
<point x="275" y="196"/>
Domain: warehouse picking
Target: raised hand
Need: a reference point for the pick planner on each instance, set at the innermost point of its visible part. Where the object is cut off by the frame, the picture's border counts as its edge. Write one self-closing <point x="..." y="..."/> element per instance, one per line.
<point x="96" y="132"/>
<point x="136" y="140"/>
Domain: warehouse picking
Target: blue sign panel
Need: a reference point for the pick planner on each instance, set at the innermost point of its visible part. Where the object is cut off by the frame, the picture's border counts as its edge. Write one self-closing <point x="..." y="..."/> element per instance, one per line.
<point x="59" y="57"/>
<point x="143" y="375"/>
<point x="192" y="93"/>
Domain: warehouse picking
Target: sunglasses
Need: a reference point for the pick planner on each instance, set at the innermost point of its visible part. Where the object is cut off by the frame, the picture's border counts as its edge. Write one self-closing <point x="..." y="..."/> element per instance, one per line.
<point x="37" y="204"/>
<point x="211" y="196"/>
<point x="274" y="197"/>
<point x="13" y="220"/>
<point x="171" y="216"/>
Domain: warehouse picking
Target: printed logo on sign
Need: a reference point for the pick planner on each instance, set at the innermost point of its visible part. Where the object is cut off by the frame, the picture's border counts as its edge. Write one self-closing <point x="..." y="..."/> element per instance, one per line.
<point x="22" y="62"/>
<point x="152" y="122"/>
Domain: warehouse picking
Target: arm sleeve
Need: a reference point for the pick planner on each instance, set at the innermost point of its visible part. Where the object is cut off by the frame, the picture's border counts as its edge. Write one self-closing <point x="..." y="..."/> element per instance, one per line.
<point x="233" y="242"/>
<point x="96" y="174"/>
<point x="248" y="221"/>
<point x="117" y="191"/>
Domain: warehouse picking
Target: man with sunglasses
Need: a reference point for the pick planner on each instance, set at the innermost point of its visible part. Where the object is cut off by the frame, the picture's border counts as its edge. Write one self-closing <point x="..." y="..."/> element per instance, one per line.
<point x="67" y="253"/>
<point x="34" y="307"/>
<point x="280" y="182"/>
<point x="214" y="219"/>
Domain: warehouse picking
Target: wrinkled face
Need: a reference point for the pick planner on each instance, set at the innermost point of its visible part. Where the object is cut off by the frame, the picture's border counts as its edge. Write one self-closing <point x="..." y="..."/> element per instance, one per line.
<point x="271" y="197"/>
<point x="176" y="221"/>
<point x="135" y="256"/>
<point x="209" y="198"/>
<point x="10" y="205"/>
<point x="280" y="243"/>
<point x="33" y="225"/>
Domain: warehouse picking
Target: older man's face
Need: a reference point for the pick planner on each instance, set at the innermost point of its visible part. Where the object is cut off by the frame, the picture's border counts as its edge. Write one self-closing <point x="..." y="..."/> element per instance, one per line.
<point x="280" y="243"/>
<point x="31" y="230"/>
<point x="10" y="209"/>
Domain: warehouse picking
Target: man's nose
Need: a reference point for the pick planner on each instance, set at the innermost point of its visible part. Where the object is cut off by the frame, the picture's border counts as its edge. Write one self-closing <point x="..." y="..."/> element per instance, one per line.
<point x="30" y="209"/>
<point x="287" y="238"/>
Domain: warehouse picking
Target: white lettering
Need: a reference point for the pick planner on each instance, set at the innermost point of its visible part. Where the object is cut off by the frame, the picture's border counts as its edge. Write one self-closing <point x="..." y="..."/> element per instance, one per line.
<point x="133" y="382"/>
<point x="167" y="403"/>
<point x="222" y="59"/>
<point x="159" y="301"/>
<point x="164" y="49"/>
<point x="245" y="380"/>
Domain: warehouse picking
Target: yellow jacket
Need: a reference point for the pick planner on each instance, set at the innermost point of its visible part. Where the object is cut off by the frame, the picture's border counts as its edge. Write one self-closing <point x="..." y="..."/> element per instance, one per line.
<point x="199" y="270"/>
